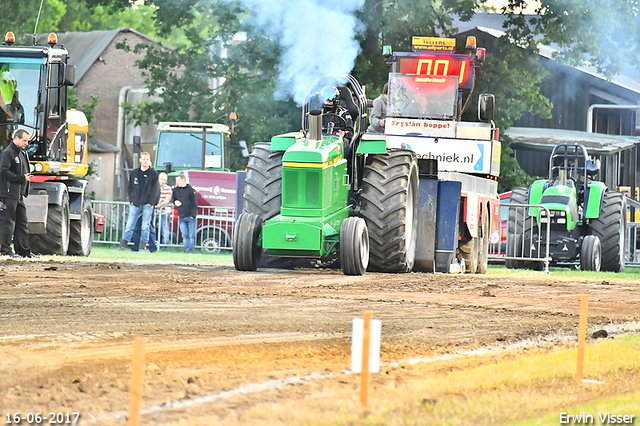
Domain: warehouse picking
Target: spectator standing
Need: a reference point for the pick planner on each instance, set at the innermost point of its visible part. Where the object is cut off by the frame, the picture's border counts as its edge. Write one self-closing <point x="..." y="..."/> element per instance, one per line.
<point x="185" y="200"/>
<point x="144" y="193"/>
<point x="14" y="188"/>
<point x="163" y="210"/>
<point x="137" y="231"/>
<point x="379" y="112"/>
<point x="165" y="195"/>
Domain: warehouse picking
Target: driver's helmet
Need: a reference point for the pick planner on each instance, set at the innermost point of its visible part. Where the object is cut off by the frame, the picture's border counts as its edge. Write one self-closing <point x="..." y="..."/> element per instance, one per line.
<point x="329" y="93"/>
<point x="8" y="84"/>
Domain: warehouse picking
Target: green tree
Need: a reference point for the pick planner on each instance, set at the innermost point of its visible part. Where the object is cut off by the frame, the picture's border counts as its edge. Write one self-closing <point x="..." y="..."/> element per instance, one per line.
<point x="246" y="73"/>
<point x="213" y="75"/>
<point x="605" y="35"/>
<point x="20" y="17"/>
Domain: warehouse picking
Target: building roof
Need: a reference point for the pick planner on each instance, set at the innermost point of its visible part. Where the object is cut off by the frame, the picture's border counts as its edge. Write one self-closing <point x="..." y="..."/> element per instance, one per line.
<point x="491" y="24"/>
<point x="85" y="48"/>
<point x="546" y="139"/>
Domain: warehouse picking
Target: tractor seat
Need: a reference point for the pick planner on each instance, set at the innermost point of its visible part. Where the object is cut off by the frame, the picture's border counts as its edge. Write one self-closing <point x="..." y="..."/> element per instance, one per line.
<point x="571" y="183"/>
<point x="347" y="97"/>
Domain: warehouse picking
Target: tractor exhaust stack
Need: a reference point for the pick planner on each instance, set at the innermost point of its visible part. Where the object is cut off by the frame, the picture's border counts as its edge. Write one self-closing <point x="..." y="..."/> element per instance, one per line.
<point x="315" y="125"/>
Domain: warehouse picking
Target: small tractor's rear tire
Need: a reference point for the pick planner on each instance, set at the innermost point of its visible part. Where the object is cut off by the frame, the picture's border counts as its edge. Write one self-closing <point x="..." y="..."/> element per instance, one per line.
<point x="389" y="206"/>
<point x="354" y="246"/>
<point x="611" y="228"/>
<point x="81" y="231"/>
<point x="263" y="184"/>
<point x="246" y="237"/>
<point x="469" y="252"/>
<point x="515" y="224"/>
<point x="56" y="239"/>
<point x="590" y="254"/>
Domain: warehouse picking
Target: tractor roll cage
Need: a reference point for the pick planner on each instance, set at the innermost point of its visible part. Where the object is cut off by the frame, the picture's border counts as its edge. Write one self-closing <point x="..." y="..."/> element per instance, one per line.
<point x="568" y="162"/>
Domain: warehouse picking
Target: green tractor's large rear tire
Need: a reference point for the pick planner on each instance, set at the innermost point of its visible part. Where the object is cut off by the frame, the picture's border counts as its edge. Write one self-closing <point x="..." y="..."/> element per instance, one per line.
<point x="611" y="228"/>
<point x="263" y="193"/>
<point x="246" y="242"/>
<point x="56" y="239"/>
<point x="81" y="231"/>
<point x="515" y="223"/>
<point x="389" y="205"/>
<point x="263" y="184"/>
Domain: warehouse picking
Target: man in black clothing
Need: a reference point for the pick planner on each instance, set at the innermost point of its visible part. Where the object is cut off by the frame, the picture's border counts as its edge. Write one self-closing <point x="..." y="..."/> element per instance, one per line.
<point x="144" y="194"/>
<point x="185" y="199"/>
<point x="14" y="187"/>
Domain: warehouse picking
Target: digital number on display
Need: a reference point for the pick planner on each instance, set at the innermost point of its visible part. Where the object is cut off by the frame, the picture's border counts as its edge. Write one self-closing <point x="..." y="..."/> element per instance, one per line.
<point x="449" y="65"/>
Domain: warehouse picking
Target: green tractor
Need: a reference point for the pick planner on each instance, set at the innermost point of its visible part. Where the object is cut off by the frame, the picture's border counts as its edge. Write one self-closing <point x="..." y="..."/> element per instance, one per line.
<point x="314" y="195"/>
<point x="586" y="220"/>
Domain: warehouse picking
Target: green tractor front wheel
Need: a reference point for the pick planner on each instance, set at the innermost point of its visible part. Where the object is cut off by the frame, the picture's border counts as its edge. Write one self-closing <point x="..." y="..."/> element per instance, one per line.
<point x="590" y="254"/>
<point x="354" y="246"/>
<point x="247" y="249"/>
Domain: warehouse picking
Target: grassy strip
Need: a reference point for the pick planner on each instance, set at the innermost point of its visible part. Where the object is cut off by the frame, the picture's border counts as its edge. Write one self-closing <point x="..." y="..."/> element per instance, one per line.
<point x="529" y="387"/>
<point x="628" y="404"/>
<point x="101" y="253"/>
<point x="629" y="274"/>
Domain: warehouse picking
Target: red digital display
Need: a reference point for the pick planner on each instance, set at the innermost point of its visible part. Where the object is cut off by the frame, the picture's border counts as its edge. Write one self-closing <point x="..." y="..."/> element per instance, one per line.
<point x="443" y="65"/>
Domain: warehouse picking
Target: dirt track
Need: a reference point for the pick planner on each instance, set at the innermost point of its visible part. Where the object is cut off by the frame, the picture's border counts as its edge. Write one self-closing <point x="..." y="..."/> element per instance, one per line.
<point x="212" y="333"/>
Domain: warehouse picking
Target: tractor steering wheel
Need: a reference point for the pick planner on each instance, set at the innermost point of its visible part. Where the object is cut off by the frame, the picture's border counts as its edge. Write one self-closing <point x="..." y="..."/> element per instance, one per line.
<point x="339" y="122"/>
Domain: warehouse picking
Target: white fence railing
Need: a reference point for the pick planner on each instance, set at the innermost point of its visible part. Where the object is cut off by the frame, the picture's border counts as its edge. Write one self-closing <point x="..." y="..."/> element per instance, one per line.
<point x="214" y="226"/>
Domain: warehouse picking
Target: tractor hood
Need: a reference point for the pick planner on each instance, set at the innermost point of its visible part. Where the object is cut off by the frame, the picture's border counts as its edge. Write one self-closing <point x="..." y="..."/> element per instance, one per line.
<point x="324" y="152"/>
<point x="562" y="198"/>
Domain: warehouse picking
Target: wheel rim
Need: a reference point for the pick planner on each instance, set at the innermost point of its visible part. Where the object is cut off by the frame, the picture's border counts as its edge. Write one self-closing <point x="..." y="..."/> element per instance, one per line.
<point x="364" y="246"/>
<point x="85" y="229"/>
<point x="623" y="230"/>
<point x="65" y="229"/>
<point x="409" y="217"/>
<point x="597" y="261"/>
<point x="211" y="246"/>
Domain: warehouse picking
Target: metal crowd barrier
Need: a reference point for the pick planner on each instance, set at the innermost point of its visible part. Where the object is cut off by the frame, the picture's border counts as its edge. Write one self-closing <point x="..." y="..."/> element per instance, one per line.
<point x="214" y="226"/>
<point x="498" y="251"/>
<point x="633" y="256"/>
<point x="528" y="245"/>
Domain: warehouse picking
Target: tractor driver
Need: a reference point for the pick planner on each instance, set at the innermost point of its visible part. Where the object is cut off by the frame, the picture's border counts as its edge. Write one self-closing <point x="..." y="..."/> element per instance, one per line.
<point x="330" y="105"/>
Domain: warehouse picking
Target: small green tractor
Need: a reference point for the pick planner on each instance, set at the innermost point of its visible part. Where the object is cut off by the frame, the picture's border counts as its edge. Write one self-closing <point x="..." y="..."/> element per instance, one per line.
<point x="586" y="220"/>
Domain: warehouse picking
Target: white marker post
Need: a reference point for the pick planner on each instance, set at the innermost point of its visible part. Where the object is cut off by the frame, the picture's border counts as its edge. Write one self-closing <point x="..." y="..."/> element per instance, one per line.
<point x="366" y="333"/>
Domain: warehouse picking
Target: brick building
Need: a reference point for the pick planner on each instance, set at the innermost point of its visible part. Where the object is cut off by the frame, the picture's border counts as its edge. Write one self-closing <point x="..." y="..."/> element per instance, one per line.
<point x="110" y="73"/>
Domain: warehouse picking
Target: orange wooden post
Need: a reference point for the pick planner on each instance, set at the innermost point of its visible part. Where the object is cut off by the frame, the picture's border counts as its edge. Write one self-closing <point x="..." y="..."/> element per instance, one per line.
<point x="582" y="336"/>
<point x="137" y="380"/>
<point x="364" y="374"/>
